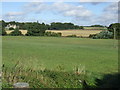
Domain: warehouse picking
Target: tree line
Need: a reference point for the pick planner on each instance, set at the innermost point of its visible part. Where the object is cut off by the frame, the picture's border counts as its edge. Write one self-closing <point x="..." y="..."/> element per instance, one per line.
<point x="38" y="29"/>
<point x="51" y="26"/>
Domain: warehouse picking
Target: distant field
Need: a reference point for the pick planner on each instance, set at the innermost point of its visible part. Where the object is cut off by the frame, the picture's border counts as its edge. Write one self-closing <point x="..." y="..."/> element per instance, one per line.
<point x="95" y="28"/>
<point x="96" y="55"/>
<point x="84" y="33"/>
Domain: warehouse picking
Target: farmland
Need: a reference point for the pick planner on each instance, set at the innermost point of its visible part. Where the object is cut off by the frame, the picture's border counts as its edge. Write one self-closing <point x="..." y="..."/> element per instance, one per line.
<point x="95" y="55"/>
<point x="54" y="58"/>
<point x="83" y="33"/>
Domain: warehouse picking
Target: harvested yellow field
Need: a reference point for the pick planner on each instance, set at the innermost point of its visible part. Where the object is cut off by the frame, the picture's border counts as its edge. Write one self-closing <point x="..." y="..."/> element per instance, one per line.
<point x="23" y="31"/>
<point x="84" y="33"/>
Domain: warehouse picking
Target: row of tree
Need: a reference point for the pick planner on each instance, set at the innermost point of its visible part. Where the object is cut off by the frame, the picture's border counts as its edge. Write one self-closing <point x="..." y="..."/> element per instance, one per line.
<point x="52" y="26"/>
<point x="37" y="29"/>
<point x="36" y="32"/>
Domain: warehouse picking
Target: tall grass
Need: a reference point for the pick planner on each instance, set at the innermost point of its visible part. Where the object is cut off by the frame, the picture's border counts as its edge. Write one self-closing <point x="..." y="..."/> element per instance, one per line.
<point x="57" y="78"/>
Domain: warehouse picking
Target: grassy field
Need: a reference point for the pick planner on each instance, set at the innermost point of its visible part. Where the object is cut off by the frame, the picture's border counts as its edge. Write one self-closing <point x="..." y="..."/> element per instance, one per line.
<point x="96" y="55"/>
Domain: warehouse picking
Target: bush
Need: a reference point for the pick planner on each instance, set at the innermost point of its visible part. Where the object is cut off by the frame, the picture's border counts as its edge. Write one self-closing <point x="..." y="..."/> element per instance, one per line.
<point x="81" y="27"/>
<point x="71" y="36"/>
<point x="4" y="32"/>
<point x="41" y="78"/>
<point x="53" y="34"/>
<point x="16" y="32"/>
<point x="35" y="32"/>
<point x="102" y="35"/>
<point x="115" y="26"/>
<point x="92" y="35"/>
<point x="11" y="28"/>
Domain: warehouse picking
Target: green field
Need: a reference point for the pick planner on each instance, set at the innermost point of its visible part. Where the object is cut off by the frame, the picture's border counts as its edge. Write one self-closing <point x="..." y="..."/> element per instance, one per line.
<point x="96" y="55"/>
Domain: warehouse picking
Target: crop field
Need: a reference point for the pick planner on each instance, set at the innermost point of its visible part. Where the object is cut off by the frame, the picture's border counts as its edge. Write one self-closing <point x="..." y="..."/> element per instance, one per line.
<point x="95" y="28"/>
<point x="84" y="33"/>
<point x="95" y="55"/>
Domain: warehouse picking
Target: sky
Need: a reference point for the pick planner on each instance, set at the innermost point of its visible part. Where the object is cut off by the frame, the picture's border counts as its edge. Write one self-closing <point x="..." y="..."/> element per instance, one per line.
<point x="79" y="13"/>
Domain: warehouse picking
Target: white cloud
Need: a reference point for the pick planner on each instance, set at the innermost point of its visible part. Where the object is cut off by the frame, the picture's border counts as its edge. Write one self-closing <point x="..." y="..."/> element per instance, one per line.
<point x="109" y="15"/>
<point x="36" y="7"/>
<point x="72" y="10"/>
<point x="78" y="13"/>
<point x="59" y="0"/>
<point x="14" y="13"/>
<point x="99" y="0"/>
<point x="16" y="16"/>
<point x="112" y="8"/>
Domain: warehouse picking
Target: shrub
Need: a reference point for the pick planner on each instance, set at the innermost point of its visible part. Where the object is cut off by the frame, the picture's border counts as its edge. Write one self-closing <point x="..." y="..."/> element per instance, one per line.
<point x="11" y="28"/>
<point x="53" y="34"/>
<point x="41" y="79"/>
<point x="35" y="32"/>
<point x="16" y="32"/>
<point x="81" y="27"/>
<point x="4" y="32"/>
<point x="71" y="36"/>
<point x="115" y="26"/>
<point x="102" y="35"/>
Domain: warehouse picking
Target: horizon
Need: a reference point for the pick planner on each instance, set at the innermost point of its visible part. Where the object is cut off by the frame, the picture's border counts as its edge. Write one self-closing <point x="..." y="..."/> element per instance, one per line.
<point x="49" y="23"/>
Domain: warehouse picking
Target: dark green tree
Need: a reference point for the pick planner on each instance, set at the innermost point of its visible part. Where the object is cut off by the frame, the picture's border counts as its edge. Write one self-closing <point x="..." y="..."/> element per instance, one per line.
<point x="2" y="28"/>
<point x="36" y="29"/>
<point x="97" y="26"/>
<point x="16" y="32"/>
<point x="115" y="26"/>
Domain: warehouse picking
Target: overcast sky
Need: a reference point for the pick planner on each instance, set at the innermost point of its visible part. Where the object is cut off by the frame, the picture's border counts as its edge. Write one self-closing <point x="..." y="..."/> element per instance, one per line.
<point x="80" y="13"/>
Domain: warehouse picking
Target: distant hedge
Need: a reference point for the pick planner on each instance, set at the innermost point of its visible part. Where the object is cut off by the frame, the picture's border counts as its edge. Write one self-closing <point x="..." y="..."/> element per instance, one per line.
<point x="102" y="35"/>
<point x="53" y="34"/>
<point x="16" y="32"/>
<point x="11" y="28"/>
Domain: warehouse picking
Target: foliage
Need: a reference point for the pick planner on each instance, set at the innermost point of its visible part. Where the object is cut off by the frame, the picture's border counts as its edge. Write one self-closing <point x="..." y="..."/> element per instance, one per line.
<point x="2" y="30"/>
<point x="11" y="28"/>
<point x="16" y="32"/>
<point x="36" y="29"/>
<point x="97" y="26"/>
<point x="52" y="26"/>
<point x="52" y="34"/>
<point x="115" y="26"/>
<point x="71" y="36"/>
<point x="108" y="81"/>
<point x="102" y="35"/>
<point x="81" y="27"/>
<point x="64" y="26"/>
<point x="42" y="78"/>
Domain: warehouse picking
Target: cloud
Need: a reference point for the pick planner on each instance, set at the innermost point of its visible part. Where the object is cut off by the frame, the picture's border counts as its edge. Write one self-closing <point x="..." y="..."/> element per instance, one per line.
<point x="16" y="16"/>
<point x="72" y="10"/>
<point x="112" y="8"/>
<point x="14" y="13"/>
<point x="78" y="13"/>
<point x="36" y="7"/>
<point x="99" y="0"/>
<point x="109" y="15"/>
